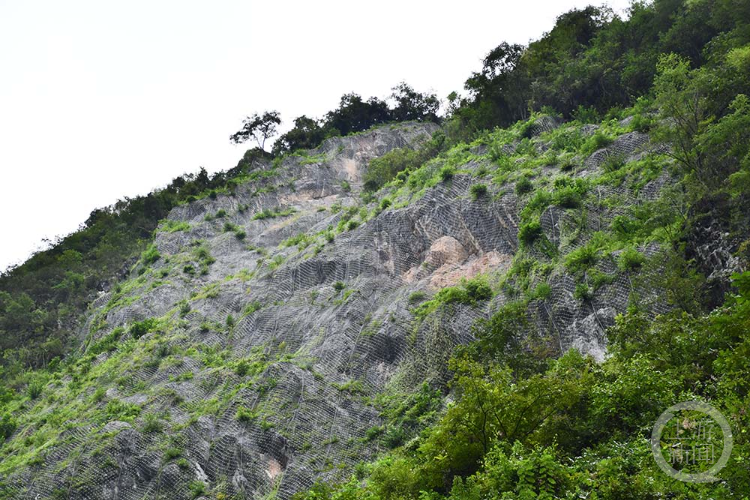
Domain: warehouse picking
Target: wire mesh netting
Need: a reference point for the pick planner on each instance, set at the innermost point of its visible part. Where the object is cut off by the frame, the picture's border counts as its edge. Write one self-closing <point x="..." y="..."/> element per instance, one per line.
<point x="324" y="326"/>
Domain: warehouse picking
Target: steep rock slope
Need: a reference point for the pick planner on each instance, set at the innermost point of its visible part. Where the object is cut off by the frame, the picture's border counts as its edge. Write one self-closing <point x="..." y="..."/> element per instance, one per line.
<point x="245" y="351"/>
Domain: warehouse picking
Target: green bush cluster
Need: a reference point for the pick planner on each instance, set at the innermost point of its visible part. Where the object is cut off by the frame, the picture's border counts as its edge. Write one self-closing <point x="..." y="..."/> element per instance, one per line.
<point x="141" y="328"/>
<point x="447" y="173"/>
<point x="568" y="193"/>
<point x="152" y="423"/>
<point x="8" y="426"/>
<point x="150" y="256"/>
<point x="530" y="232"/>
<point x="173" y="226"/>
<point x="468" y="292"/>
<point x="268" y="213"/>
<point x="300" y="240"/>
<point x="570" y="427"/>
<point x="596" y="142"/>
<point x="582" y="258"/>
<point x="245" y="415"/>
<point x="478" y="191"/>
<point x="613" y="163"/>
<point x="398" y="163"/>
<point x="630" y="259"/>
<point x="108" y="343"/>
<point x="524" y="185"/>
<point x="583" y="292"/>
<point x="119" y="410"/>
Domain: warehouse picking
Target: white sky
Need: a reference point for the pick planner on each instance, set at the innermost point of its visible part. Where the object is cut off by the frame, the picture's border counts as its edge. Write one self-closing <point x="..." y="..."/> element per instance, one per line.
<point x="100" y="99"/>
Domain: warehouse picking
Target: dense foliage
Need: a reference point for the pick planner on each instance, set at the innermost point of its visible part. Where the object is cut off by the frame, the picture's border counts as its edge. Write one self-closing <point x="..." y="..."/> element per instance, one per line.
<point x="569" y="427"/>
<point x="593" y="61"/>
<point x="528" y="423"/>
<point x="259" y="127"/>
<point x="42" y="299"/>
<point x="355" y="114"/>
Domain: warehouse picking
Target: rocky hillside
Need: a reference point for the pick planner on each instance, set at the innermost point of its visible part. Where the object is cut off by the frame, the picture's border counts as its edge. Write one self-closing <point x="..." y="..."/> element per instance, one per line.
<point x="498" y="306"/>
<point x="254" y="346"/>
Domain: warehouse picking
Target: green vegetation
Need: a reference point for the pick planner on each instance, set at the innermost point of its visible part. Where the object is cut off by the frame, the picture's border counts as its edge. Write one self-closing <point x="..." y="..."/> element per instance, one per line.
<point x="630" y="259"/>
<point x="447" y="173"/>
<point x="34" y="389"/>
<point x="529" y="233"/>
<point x="276" y="262"/>
<point x="583" y="292"/>
<point x="252" y="307"/>
<point x="203" y="255"/>
<point x="197" y="488"/>
<point x="417" y="297"/>
<point x="54" y="285"/>
<point x="525" y="425"/>
<point x="469" y="292"/>
<point x="267" y="213"/>
<point x="478" y="191"/>
<point x="568" y="193"/>
<point x="152" y="423"/>
<point x="150" y="256"/>
<point x="582" y="258"/>
<point x="524" y="185"/>
<point x="244" y="415"/>
<point x="569" y="427"/>
<point x="301" y="241"/>
<point x="7" y="426"/>
<point x="385" y="168"/>
<point x="118" y="410"/>
<point x="173" y="226"/>
<point x="141" y="328"/>
<point x="355" y="114"/>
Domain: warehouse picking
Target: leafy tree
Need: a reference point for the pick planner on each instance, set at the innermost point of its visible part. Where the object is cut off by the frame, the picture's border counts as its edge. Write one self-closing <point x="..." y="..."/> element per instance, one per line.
<point x="726" y="143"/>
<point x="259" y="127"/>
<point x="413" y="105"/>
<point x="355" y="115"/>
<point x="560" y="82"/>
<point x="497" y="93"/>
<point x="681" y="95"/>
<point x="306" y="134"/>
<point x="495" y="407"/>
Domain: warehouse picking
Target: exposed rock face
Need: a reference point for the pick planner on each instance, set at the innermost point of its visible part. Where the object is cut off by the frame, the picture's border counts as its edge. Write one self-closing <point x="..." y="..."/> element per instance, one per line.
<point x="445" y="250"/>
<point x="321" y="326"/>
<point x="451" y="274"/>
<point x="711" y="245"/>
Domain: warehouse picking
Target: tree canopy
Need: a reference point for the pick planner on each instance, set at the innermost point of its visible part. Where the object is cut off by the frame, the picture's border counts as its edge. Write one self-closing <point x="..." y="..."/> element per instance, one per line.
<point x="259" y="127"/>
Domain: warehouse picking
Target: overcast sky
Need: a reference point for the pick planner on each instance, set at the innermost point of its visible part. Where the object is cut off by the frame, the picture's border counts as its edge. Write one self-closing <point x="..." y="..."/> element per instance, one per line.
<point x="101" y="99"/>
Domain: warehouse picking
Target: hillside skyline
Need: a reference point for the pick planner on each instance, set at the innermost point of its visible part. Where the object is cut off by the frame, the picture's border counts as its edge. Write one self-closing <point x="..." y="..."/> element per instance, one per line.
<point x="100" y="103"/>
